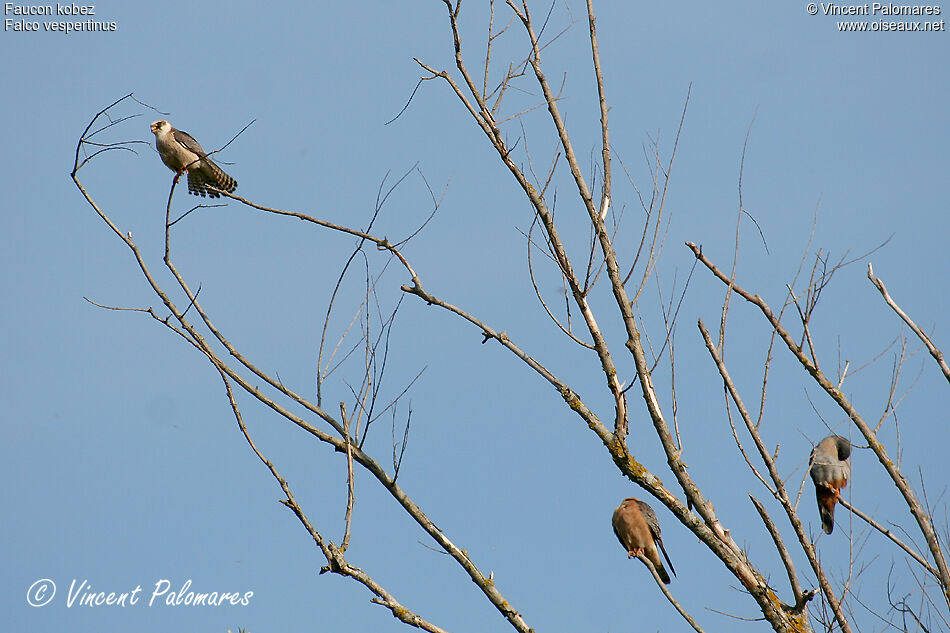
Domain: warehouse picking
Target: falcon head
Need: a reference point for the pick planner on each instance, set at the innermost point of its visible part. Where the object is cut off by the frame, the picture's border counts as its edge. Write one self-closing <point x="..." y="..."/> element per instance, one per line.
<point x="161" y="127"/>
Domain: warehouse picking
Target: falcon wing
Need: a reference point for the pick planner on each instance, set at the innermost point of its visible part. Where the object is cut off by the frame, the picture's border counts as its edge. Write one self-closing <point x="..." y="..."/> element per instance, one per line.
<point x="829" y="462"/>
<point x="189" y="143"/>
<point x="654" y="524"/>
<point x="650" y="516"/>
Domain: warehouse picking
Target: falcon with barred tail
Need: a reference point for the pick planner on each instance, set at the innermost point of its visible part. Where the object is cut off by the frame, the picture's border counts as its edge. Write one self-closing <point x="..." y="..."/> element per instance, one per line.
<point x="182" y="153"/>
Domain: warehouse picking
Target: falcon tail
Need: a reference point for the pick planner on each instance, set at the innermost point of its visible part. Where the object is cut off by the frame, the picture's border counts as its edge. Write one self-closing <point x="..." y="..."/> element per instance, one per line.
<point x="826" y="508"/>
<point x="207" y="174"/>
<point x="654" y="558"/>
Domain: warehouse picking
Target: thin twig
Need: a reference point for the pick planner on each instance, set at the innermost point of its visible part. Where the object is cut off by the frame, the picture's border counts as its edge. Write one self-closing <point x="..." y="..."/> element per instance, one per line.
<point x="936" y="353"/>
<point x="669" y="596"/>
<point x="350" y="482"/>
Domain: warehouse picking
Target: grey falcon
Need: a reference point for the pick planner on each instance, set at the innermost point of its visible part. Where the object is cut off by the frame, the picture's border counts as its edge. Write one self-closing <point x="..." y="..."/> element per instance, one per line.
<point x="181" y="153"/>
<point x="830" y="467"/>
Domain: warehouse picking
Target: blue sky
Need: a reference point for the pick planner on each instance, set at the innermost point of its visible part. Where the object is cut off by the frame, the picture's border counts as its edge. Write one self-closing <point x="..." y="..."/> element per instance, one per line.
<point x="122" y="460"/>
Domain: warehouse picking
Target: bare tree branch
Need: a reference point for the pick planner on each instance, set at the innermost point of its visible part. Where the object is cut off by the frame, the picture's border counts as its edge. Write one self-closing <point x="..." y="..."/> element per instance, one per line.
<point x="936" y="353"/>
<point x="916" y="509"/>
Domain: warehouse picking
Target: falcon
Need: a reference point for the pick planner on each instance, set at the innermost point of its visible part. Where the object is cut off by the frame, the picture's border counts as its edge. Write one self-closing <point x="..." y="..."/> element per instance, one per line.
<point x="182" y="153"/>
<point x="638" y="530"/>
<point x="830" y="470"/>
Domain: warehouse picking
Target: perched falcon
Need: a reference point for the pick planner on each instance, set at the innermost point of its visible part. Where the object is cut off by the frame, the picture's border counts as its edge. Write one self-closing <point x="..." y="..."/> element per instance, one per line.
<point x="636" y="526"/>
<point x="830" y="470"/>
<point x="181" y="153"/>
